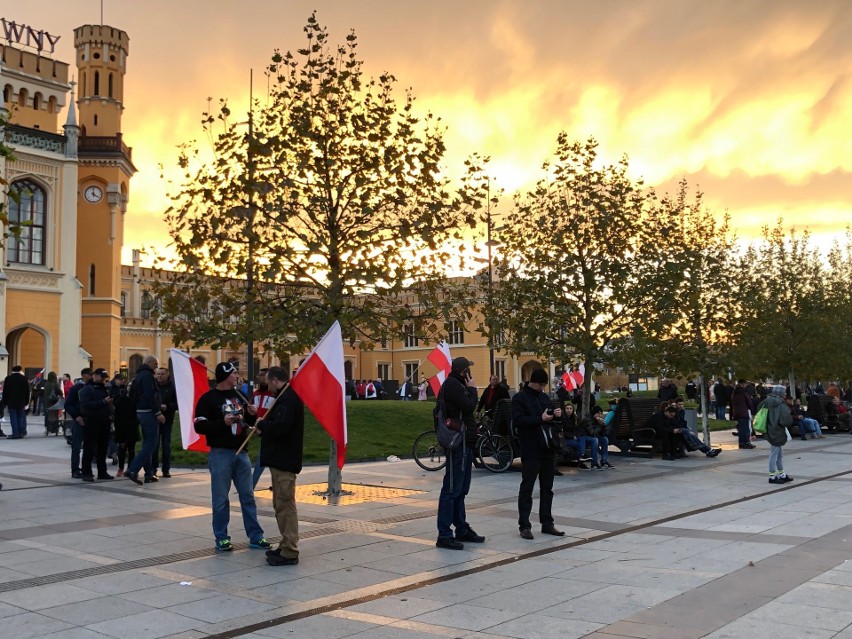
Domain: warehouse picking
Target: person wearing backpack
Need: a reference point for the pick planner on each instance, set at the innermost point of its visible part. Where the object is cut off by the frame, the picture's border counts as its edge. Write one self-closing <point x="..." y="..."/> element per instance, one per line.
<point x="459" y="397"/>
<point x="531" y="416"/>
<point x="777" y="420"/>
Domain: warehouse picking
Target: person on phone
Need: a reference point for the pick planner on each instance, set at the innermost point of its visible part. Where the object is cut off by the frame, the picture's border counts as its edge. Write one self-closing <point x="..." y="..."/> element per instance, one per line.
<point x="458" y="393"/>
<point x="532" y="414"/>
<point x="96" y="409"/>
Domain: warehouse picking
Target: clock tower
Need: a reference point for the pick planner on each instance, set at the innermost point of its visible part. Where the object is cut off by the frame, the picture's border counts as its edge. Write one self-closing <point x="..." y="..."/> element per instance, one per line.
<point x="105" y="169"/>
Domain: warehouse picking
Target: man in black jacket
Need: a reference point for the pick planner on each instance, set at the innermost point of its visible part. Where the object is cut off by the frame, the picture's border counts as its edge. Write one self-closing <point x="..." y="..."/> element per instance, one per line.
<point x="282" y="432"/>
<point x="96" y="409"/>
<point x="458" y="393"/>
<point x="16" y="397"/>
<point x="149" y="413"/>
<point x="168" y="406"/>
<point x="222" y="415"/>
<point x="531" y="415"/>
<point x="72" y="410"/>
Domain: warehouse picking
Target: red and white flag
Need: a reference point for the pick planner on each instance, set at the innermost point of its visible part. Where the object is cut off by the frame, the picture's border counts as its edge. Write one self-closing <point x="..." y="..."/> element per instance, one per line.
<point x="568" y="381"/>
<point x="191" y="383"/>
<point x="321" y="384"/>
<point x="443" y="361"/>
<point x="38" y="375"/>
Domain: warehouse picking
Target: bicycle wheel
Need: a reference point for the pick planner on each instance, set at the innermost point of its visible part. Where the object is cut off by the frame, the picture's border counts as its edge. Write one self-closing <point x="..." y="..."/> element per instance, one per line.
<point x="428" y="453"/>
<point x="495" y="452"/>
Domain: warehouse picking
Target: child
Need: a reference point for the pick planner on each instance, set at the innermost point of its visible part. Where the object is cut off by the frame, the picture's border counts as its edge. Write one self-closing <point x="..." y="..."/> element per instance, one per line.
<point x="778" y="418"/>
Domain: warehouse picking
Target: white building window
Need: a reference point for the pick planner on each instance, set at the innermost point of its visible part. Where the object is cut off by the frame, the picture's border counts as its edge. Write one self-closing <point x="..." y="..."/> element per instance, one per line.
<point x="455" y="332"/>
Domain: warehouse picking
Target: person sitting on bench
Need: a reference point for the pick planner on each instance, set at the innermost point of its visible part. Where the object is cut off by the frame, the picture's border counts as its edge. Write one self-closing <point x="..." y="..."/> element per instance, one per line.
<point x="690" y="439"/>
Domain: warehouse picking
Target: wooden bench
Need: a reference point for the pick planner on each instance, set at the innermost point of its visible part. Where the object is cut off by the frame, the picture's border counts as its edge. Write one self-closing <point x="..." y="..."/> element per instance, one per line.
<point x="631" y="429"/>
<point x="818" y="409"/>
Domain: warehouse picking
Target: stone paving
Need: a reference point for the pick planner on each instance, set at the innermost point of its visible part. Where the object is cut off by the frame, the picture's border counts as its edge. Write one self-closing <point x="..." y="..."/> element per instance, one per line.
<point x="691" y="548"/>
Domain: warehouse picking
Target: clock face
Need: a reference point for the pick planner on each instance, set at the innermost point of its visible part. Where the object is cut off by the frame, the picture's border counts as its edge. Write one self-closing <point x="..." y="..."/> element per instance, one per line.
<point x="93" y="194"/>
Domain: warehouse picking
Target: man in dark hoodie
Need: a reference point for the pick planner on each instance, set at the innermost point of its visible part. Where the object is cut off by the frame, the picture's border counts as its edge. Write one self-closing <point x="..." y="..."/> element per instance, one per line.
<point x="458" y="392"/>
<point x="149" y="413"/>
<point x="96" y="409"/>
<point x="222" y="415"/>
<point x="531" y="415"/>
<point x="282" y="432"/>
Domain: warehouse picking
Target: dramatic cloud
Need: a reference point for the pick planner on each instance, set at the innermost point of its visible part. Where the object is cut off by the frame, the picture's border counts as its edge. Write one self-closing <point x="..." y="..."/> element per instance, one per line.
<point x="747" y="99"/>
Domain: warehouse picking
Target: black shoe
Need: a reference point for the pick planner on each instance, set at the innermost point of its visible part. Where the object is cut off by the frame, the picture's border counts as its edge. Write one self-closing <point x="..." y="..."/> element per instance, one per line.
<point x="558" y="473"/>
<point x="582" y="466"/>
<point x="526" y="533"/>
<point x="107" y="476"/>
<point x="2" y="434"/>
<point x="748" y="446"/>
<point x="278" y="560"/>
<point x="776" y="480"/>
<point x="669" y="457"/>
<point x="550" y="529"/>
<point x="134" y="477"/>
<point x="151" y="479"/>
<point x="785" y="479"/>
<point x="167" y="475"/>
<point x="274" y="553"/>
<point x="471" y="536"/>
<point x="76" y="475"/>
<point x="597" y="467"/>
<point x="713" y="452"/>
<point x="606" y="464"/>
<point x="449" y="543"/>
<point x="88" y="478"/>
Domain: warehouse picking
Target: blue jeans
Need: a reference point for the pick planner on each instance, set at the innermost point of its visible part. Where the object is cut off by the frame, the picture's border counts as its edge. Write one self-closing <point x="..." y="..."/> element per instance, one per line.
<point x="586" y="440"/>
<point x="451" y="501"/>
<point x="809" y="425"/>
<point x="226" y="467"/>
<point x="692" y="442"/>
<point x="744" y="430"/>
<point x="604" y="444"/>
<point x="720" y="411"/>
<point x="18" y="418"/>
<point x="258" y="471"/>
<point x="150" y="433"/>
<point x="77" y="448"/>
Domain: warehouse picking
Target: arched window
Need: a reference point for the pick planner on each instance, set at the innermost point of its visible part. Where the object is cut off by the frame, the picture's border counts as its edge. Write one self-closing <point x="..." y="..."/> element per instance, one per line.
<point x="91" y="280"/>
<point x="28" y="208"/>
<point x="110" y="85"/>
<point x="51" y="104"/>
<point x="123" y="303"/>
<point x="7" y="93"/>
<point x="83" y="86"/>
<point x="22" y="98"/>
<point x="146" y="305"/>
<point x="37" y="101"/>
<point x="96" y="119"/>
<point x="97" y="90"/>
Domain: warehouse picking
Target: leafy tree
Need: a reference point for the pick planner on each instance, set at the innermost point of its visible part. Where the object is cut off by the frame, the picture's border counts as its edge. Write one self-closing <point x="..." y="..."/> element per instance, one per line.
<point x="580" y="262"/>
<point x="697" y="311"/>
<point x="839" y="305"/>
<point x="10" y="229"/>
<point x="783" y="315"/>
<point x="330" y="204"/>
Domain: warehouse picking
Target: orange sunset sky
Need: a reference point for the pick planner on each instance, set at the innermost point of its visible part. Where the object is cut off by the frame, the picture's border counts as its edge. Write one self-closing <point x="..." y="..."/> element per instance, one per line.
<point x="750" y="100"/>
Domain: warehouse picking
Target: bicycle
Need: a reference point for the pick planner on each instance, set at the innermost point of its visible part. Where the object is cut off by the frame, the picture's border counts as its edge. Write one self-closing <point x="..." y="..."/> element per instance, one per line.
<point x="494" y="451"/>
<point x="428" y="452"/>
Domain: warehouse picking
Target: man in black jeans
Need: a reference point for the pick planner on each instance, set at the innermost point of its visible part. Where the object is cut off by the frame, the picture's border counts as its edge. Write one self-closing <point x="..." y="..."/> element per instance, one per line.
<point x="168" y="406"/>
<point x="72" y="410"/>
<point x="458" y="393"/>
<point x="531" y="416"/>
<point x="96" y="409"/>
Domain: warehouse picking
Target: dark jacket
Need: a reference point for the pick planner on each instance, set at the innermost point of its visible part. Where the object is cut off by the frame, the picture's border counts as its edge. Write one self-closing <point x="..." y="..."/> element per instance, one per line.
<point x="460" y="401"/>
<point x="490" y="397"/>
<point x="777" y="420"/>
<point x="569" y="424"/>
<point x="527" y="407"/>
<point x="282" y="433"/>
<point x="168" y="396"/>
<point x="668" y="392"/>
<point x="210" y="418"/>
<point x="16" y="391"/>
<point x="93" y="404"/>
<point x="145" y="392"/>
<point x="126" y="425"/>
<point x="663" y="425"/>
<point x="72" y="402"/>
<point x="588" y="426"/>
<point x="741" y="403"/>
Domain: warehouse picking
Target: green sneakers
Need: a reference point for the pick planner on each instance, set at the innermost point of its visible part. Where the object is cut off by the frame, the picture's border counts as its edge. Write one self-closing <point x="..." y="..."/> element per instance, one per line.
<point x="261" y="544"/>
<point x="224" y="545"/>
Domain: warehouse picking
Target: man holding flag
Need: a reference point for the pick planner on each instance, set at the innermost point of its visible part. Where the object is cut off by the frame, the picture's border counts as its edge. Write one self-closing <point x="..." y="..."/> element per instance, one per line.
<point x="282" y="432"/>
<point x="222" y="415"/>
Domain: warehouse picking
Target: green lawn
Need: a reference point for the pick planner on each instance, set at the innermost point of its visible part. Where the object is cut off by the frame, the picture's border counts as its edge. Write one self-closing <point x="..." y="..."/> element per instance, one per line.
<point x="377" y="429"/>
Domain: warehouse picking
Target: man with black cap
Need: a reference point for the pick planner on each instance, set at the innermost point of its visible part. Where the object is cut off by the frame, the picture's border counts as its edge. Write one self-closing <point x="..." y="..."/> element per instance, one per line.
<point x="72" y="410"/>
<point x="96" y="409"/>
<point x="222" y="415"/>
<point x="458" y="393"/>
<point x="531" y="416"/>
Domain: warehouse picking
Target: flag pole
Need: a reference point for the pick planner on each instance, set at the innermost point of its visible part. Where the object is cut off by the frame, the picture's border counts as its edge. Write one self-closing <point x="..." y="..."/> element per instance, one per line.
<point x="253" y="429"/>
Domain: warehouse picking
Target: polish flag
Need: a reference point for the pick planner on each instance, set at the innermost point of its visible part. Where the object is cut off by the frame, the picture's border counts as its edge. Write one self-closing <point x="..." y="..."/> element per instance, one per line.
<point x="443" y="361"/>
<point x="38" y="375"/>
<point x="320" y="383"/>
<point x="579" y="375"/>
<point x="191" y="383"/>
<point x="568" y="381"/>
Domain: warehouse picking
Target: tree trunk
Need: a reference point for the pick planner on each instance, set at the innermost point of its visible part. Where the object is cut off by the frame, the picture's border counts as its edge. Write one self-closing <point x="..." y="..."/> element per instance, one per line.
<point x="703" y="403"/>
<point x="335" y="477"/>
